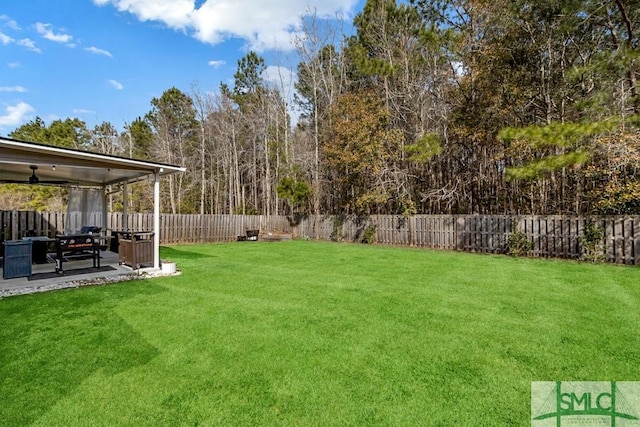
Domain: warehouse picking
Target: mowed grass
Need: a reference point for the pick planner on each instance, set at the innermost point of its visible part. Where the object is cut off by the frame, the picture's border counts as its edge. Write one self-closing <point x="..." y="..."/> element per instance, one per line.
<point x="317" y="333"/>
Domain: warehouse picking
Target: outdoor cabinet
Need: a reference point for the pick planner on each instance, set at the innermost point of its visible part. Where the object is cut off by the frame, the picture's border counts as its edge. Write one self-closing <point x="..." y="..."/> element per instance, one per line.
<point x="39" y="248"/>
<point x="114" y="244"/>
<point x="136" y="250"/>
<point x="17" y="259"/>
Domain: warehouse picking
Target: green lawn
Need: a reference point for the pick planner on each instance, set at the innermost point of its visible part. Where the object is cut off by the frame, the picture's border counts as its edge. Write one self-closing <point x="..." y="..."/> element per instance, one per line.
<point x="310" y="333"/>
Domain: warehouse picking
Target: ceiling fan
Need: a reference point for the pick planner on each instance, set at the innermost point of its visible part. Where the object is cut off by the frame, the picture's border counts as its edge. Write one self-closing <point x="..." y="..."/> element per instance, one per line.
<point x="33" y="179"/>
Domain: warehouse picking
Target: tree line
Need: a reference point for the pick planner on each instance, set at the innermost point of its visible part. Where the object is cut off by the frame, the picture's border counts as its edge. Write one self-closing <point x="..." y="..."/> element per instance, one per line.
<point x="431" y="106"/>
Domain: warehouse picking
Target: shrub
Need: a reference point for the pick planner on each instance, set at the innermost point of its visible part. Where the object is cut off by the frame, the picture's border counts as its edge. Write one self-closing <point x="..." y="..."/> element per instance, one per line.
<point x="518" y="244"/>
<point x="336" y="234"/>
<point x="369" y="235"/>
<point x="593" y="244"/>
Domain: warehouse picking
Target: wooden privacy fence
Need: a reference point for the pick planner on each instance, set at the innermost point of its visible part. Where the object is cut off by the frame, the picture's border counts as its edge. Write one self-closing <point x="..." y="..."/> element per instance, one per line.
<point x="173" y="228"/>
<point x="552" y="236"/>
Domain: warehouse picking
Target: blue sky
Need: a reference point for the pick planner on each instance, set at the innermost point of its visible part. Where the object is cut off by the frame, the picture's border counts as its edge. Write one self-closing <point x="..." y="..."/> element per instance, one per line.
<point x="104" y="60"/>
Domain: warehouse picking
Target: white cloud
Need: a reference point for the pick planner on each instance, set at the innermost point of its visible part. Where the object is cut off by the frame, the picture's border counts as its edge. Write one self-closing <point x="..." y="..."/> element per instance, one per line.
<point x="82" y="111"/>
<point x="14" y="65"/>
<point x="264" y="24"/>
<point x="174" y="13"/>
<point x="98" y="51"/>
<point x="12" y="89"/>
<point x="216" y="63"/>
<point x="116" y="84"/>
<point x="29" y="44"/>
<point x="45" y="31"/>
<point x="5" y="39"/>
<point x="278" y="76"/>
<point x="13" y="25"/>
<point x="16" y="114"/>
<point x="10" y="22"/>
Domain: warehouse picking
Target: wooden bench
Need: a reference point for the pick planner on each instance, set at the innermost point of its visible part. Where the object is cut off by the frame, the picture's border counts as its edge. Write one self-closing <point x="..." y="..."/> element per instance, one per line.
<point x="276" y="236"/>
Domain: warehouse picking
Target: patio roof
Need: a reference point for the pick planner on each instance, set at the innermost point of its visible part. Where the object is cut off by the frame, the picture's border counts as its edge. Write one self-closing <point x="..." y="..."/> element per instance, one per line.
<point x="19" y="160"/>
<point x="77" y="167"/>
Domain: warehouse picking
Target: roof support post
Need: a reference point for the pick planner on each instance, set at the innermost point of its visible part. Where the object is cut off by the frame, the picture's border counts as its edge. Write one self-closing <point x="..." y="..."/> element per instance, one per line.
<point x="156" y="221"/>
<point x="104" y="209"/>
<point x="125" y="207"/>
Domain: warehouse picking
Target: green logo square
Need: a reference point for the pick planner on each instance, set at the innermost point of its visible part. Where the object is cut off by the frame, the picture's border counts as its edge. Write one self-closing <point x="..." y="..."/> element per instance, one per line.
<point x="585" y="403"/>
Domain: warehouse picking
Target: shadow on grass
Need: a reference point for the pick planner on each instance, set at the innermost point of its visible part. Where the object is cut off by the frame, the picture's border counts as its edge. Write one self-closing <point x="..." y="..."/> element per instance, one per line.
<point x="54" y="341"/>
<point x="182" y="253"/>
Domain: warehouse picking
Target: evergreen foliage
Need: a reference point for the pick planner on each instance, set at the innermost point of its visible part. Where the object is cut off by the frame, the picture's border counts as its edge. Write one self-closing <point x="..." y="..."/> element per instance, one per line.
<point x="295" y="191"/>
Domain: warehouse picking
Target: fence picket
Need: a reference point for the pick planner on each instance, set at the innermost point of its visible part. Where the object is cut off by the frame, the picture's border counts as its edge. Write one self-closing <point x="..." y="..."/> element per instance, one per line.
<point x="635" y="236"/>
<point x="627" y="239"/>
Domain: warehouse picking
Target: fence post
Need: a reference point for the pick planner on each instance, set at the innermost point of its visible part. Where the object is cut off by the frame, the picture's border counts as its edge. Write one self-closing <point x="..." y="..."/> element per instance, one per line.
<point x="412" y="230"/>
<point x="459" y="239"/>
<point x="636" y="240"/>
<point x="14" y="225"/>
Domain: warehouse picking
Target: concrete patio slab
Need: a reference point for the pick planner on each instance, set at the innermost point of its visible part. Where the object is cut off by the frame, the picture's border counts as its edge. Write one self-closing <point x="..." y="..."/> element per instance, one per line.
<point x="76" y="273"/>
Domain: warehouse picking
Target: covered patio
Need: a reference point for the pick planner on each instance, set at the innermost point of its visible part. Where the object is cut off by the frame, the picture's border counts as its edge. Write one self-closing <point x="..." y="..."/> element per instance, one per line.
<point x="37" y="164"/>
<point x="82" y="273"/>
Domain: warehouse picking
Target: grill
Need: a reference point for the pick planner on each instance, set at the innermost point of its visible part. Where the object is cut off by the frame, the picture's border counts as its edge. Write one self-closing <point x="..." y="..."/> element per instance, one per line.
<point x="77" y="246"/>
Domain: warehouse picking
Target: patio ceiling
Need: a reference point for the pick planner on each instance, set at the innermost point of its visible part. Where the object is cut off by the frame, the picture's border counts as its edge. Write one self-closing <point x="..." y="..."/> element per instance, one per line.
<point x="77" y="167"/>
